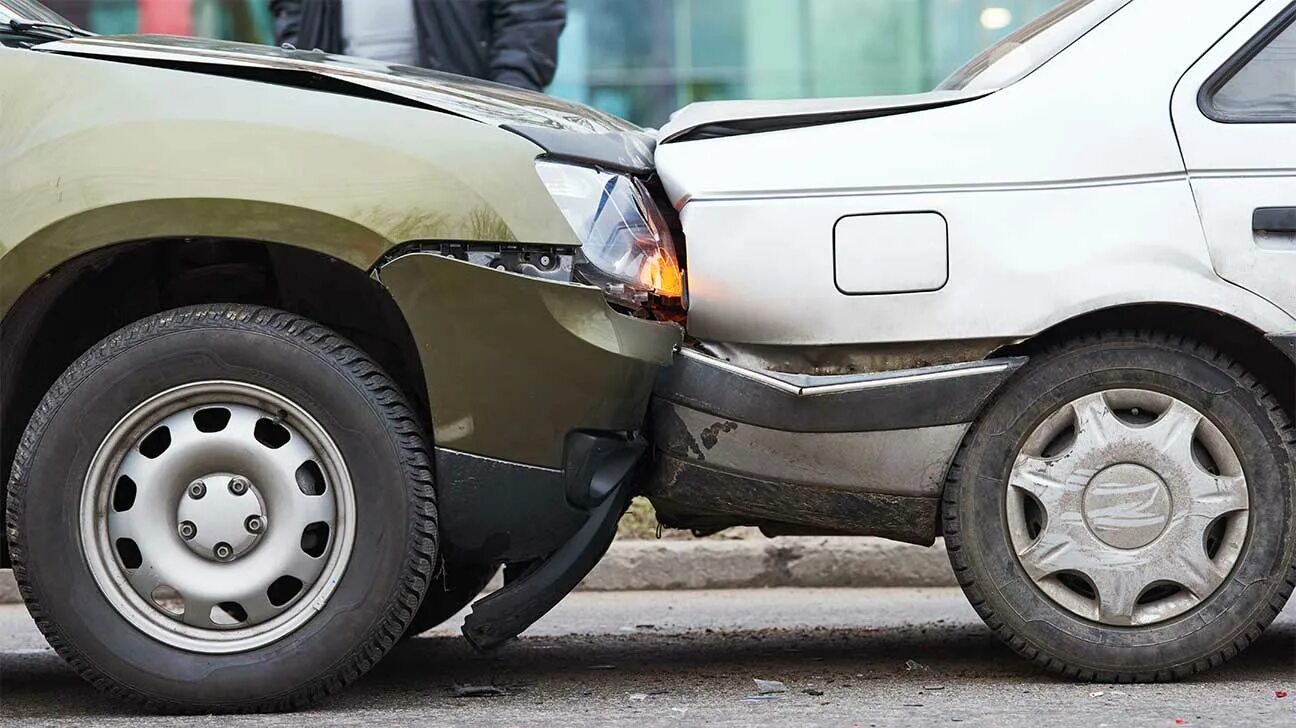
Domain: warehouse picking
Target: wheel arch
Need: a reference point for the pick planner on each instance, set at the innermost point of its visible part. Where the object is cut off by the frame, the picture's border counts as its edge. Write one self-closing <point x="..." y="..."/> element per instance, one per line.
<point x="81" y="300"/>
<point x="1238" y="338"/>
<point x="38" y="254"/>
<point x="1241" y="340"/>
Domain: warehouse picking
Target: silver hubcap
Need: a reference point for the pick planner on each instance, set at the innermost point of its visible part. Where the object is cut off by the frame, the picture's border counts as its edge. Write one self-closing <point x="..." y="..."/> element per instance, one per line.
<point x="221" y="516"/>
<point x="217" y="517"/>
<point x="1127" y="507"/>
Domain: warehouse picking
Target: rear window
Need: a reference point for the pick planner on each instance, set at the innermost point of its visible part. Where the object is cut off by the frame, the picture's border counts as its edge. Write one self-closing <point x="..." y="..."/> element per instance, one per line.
<point x="1259" y="84"/>
<point x="1031" y="45"/>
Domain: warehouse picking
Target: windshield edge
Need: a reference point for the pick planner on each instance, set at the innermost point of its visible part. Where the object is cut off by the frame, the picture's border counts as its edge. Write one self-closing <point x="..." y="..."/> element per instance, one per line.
<point x="31" y="11"/>
<point x="978" y="73"/>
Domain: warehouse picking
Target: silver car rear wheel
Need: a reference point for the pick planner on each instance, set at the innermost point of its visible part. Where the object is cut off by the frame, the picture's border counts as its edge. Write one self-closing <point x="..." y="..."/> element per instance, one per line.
<point x="1127" y="507"/>
<point x="217" y="517"/>
<point x="1123" y="509"/>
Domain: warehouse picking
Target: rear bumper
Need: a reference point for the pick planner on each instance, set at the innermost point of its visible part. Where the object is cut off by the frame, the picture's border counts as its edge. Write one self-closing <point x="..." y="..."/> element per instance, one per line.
<point x="1286" y="343"/>
<point x="857" y="454"/>
<point x="899" y="400"/>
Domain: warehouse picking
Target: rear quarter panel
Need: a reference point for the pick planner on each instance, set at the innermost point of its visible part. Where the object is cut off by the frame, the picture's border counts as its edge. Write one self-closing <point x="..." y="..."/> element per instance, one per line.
<point x="1064" y="193"/>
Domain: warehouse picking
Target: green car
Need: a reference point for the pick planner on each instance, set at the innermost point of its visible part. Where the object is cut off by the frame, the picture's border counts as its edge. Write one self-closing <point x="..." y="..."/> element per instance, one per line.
<point x="298" y="349"/>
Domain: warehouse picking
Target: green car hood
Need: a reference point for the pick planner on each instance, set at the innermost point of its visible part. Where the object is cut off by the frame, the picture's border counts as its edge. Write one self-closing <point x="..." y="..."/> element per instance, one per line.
<point x="563" y="128"/>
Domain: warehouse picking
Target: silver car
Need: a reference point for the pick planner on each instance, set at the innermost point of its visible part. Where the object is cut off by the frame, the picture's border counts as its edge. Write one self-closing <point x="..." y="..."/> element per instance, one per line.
<point x="1046" y="310"/>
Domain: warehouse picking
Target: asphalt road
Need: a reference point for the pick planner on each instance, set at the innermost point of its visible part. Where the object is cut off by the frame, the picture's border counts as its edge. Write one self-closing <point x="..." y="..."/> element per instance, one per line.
<point x="880" y="657"/>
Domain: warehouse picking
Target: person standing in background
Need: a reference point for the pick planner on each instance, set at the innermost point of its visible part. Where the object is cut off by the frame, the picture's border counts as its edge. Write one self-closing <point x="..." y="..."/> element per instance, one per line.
<point x="167" y="17"/>
<point x="508" y="41"/>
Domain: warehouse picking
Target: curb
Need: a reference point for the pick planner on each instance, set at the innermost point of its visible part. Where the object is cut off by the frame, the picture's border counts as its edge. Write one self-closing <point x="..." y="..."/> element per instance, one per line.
<point x="8" y="588"/>
<point x="786" y="561"/>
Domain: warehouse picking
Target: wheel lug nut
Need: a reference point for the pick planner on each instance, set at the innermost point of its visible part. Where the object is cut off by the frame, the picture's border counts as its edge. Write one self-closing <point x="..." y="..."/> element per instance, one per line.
<point x="254" y="524"/>
<point x="197" y="489"/>
<point x="222" y="551"/>
<point x="238" y="486"/>
<point x="188" y="530"/>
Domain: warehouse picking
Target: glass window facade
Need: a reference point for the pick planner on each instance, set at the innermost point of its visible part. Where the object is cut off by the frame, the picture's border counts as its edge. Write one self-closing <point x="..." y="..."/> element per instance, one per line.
<point x="233" y="19"/>
<point x="642" y="59"/>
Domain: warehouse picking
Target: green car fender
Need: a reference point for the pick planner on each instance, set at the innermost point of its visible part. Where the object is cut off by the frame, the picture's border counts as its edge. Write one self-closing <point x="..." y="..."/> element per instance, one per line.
<point x="513" y="364"/>
<point x="138" y="153"/>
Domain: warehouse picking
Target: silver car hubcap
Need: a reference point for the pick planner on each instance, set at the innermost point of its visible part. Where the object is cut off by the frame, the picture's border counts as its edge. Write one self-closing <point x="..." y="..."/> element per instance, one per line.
<point x="217" y="517"/>
<point x="1127" y="507"/>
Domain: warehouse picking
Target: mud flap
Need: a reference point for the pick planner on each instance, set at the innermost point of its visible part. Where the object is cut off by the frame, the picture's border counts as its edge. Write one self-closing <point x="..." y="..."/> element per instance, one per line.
<point x="504" y="614"/>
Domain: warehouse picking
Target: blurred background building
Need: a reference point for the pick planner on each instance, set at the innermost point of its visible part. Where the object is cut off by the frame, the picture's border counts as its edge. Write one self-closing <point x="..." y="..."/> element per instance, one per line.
<point x="642" y="59"/>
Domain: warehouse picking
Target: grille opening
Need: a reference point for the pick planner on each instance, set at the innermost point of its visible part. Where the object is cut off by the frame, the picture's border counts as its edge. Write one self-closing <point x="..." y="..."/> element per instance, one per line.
<point x="1060" y="444"/>
<point x="123" y="494"/>
<point x="1035" y="515"/>
<point x="156" y="443"/>
<point x="314" y="539"/>
<point x="1204" y="459"/>
<point x="283" y="590"/>
<point x="129" y="553"/>
<point x="168" y="600"/>
<point x="1137" y="416"/>
<point x="211" y="419"/>
<point x="1078" y="583"/>
<point x="1157" y="592"/>
<point x="1214" y="537"/>
<point x="271" y="434"/>
<point x="310" y="478"/>
<point x="228" y="614"/>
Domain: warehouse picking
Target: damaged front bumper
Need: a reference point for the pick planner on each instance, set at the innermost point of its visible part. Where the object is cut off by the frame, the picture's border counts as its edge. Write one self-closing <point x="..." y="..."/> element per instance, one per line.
<point x="856" y="454"/>
<point x="537" y="391"/>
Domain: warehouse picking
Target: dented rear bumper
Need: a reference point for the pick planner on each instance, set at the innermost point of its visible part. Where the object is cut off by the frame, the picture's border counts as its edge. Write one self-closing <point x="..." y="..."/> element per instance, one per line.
<point x="856" y="454"/>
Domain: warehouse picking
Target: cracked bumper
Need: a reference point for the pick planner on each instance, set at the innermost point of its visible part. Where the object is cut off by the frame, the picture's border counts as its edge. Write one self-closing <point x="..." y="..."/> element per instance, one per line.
<point x="858" y="454"/>
<point x="513" y="364"/>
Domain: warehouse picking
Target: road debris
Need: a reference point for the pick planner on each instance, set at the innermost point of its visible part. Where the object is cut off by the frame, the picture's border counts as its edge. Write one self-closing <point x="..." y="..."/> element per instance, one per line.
<point x="1096" y="694"/>
<point x="639" y="697"/>
<point x="812" y="691"/>
<point x="601" y="667"/>
<point x="765" y="687"/>
<point x="1280" y="693"/>
<point x="912" y="665"/>
<point x="933" y="687"/>
<point x="477" y="691"/>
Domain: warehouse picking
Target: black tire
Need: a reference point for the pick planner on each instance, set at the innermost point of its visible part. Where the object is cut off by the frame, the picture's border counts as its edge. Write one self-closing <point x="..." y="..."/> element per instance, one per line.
<point x="1223" y="624"/>
<point x="357" y="405"/>
<point x="454" y="587"/>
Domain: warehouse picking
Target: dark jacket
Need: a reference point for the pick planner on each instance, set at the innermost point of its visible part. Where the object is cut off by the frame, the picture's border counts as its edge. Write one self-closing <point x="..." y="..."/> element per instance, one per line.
<point x="509" y="41"/>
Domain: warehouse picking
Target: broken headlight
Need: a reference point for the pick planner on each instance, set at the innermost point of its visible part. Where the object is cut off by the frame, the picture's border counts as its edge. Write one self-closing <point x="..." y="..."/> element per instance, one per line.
<point x="626" y="248"/>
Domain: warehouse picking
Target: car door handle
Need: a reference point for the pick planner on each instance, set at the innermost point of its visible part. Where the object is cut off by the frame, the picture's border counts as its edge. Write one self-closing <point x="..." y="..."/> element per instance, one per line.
<point x="1274" y="220"/>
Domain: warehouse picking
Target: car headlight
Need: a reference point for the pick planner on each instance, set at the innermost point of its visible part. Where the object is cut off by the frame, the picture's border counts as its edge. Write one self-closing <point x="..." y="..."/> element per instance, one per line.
<point x="626" y="248"/>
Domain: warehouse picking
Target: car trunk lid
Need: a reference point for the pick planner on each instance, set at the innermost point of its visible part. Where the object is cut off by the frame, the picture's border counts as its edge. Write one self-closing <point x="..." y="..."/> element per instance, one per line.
<point x="714" y="119"/>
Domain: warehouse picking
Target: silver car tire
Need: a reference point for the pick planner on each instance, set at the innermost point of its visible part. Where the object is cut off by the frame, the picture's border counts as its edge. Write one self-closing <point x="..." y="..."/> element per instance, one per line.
<point x="1125" y="508"/>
